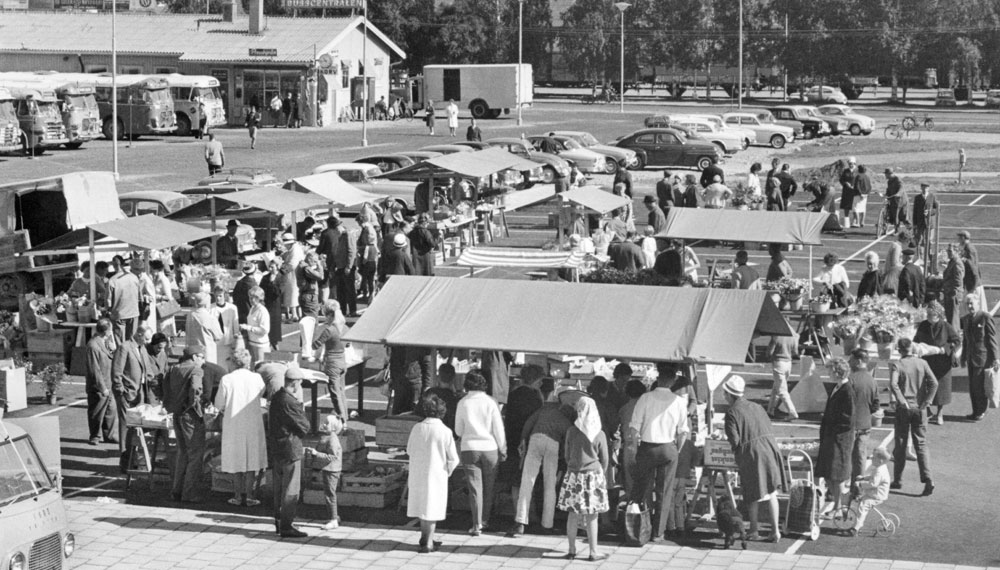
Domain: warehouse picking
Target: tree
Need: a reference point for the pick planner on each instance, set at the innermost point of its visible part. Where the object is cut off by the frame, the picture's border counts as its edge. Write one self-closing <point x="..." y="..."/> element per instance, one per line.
<point x="585" y="39"/>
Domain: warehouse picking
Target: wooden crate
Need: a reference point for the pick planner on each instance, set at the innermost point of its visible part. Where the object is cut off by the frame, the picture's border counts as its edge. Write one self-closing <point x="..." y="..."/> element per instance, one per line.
<point x="351" y="440"/>
<point x="369" y="481"/>
<point x="394" y="431"/>
<point x="13" y="389"/>
<point x="55" y="341"/>
<point x="370" y="500"/>
<point x="351" y="461"/>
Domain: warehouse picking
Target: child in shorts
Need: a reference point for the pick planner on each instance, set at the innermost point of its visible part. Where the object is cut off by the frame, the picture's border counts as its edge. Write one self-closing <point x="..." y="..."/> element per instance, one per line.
<point x="328" y="457"/>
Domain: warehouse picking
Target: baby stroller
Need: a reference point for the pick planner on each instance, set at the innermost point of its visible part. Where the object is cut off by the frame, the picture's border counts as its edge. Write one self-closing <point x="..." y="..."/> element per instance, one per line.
<point x="847" y="517"/>
<point x="804" y="496"/>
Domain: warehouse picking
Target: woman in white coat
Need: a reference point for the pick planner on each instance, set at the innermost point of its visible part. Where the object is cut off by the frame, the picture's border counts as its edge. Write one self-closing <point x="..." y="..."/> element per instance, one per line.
<point x="203" y="328"/>
<point x="433" y="458"/>
<point x="244" y="448"/>
<point x="227" y="316"/>
<point x="452" y="112"/>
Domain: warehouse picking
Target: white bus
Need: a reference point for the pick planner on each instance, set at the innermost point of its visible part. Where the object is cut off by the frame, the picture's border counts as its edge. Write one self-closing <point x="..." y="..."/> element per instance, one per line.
<point x="186" y="91"/>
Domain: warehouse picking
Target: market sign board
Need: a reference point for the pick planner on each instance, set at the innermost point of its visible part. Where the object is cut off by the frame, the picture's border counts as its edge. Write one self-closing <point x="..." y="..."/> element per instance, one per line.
<point x="719" y="454"/>
<point x="342" y="4"/>
<point x="263" y="52"/>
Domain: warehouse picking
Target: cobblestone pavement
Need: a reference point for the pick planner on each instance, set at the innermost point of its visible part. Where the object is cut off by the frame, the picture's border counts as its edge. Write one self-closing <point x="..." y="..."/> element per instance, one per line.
<point x="128" y="536"/>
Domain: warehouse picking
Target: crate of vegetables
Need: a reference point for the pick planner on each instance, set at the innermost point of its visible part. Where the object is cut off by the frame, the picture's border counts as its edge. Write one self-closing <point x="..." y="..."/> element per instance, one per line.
<point x="374" y="479"/>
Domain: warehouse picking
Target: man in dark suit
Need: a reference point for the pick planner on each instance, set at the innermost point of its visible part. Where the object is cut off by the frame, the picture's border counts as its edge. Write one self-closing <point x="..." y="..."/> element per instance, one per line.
<point x="128" y="378"/>
<point x="327" y="249"/>
<point x="345" y="258"/>
<point x="287" y="424"/>
<point x="656" y="219"/>
<point x="925" y="205"/>
<point x="979" y="353"/>
<point x="864" y="392"/>
<point x="711" y="172"/>
<point x="182" y="397"/>
<point x="102" y="413"/>
<point x="241" y="294"/>
<point x="912" y="286"/>
<point x="626" y="255"/>
<point x="664" y="191"/>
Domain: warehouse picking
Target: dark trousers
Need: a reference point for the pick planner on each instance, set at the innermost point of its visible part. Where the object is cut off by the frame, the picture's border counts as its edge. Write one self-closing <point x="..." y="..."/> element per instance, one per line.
<point x="480" y="469"/>
<point x="335" y="371"/>
<point x="911" y="421"/>
<point x="189" y="470"/>
<point x="214" y="168"/>
<point x="977" y="390"/>
<point x="330" y="481"/>
<point x="286" y="493"/>
<point x="124" y="329"/>
<point x="121" y="406"/>
<point x="346" y="294"/>
<point x="102" y="416"/>
<point x="860" y="453"/>
<point x="656" y="466"/>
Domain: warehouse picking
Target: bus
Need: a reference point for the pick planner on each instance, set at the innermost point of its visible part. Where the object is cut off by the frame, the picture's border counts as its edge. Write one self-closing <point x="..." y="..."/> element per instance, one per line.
<point x="144" y="103"/>
<point x="32" y="515"/>
<point x="38" y="114"/>
<point x="10" y="130"/>
<point x="78" y="105"/>
<point x="187" y="91"/>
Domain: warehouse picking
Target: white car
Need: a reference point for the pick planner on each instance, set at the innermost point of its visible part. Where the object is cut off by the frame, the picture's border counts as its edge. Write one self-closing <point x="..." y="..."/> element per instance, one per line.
<point x="858" y="124"/>
<point x="362" y="176"/>
<point x="765" y="127"/>
<point x="730" y="142"/>
<point x="825" y="94"/>
<point x="614" y="154"/>
<point x="586" y="160"/>
<point x="716" y="120"/>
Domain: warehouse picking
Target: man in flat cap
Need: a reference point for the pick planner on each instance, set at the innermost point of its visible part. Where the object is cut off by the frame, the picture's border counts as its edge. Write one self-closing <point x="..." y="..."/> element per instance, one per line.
<point x="912" y="285"/>
<point x="287" y="425"/>
<point x="182" y="397"/>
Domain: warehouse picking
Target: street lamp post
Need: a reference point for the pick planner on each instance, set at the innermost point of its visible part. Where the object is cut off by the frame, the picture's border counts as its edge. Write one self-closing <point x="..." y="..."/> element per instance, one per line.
<point x="622" y="6"/>
<point x="364" y="82"/>
<point x="520" y="54"/>
<point x="739" y="87"/>
<point x="114" y="88"/>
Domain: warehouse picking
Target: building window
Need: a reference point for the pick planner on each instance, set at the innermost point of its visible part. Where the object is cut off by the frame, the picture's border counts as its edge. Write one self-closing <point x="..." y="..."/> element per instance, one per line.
<point x="131" y="70"/>
<point x="165" y="70"/>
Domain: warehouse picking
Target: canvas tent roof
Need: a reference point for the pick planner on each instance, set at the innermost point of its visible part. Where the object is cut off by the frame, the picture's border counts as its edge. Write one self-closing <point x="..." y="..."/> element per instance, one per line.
<point x="266" y="198"/>
<point x="143" y="232"/>
<point x="514" y="257"/>
<point x="333" y="188"/>
<point x="745" y="225"/>
<point x="590" y="197"/>
<point x="471" y="164"/>
<point x="649" y="323"/>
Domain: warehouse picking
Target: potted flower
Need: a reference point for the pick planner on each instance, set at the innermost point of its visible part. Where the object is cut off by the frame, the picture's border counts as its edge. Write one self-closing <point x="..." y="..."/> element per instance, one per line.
<point x="848" y="328"/>
<point x="44" y="313"/>
<point x="791" y="290"/>
<point x="821" y="303"/>
<point x="52" y="376"/>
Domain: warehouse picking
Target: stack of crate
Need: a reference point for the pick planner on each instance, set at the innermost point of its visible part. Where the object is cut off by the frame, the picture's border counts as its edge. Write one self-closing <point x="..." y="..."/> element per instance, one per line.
<point x="354" y="458"/>
<point x="374" y="487"/>
<point x="50" y="347"/>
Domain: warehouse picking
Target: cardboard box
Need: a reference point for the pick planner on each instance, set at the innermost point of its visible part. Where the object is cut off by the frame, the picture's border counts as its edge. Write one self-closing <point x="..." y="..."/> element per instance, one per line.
<point x="55" y="341"/>
<point x="394" y="431"/>
<point x="13" y="389"/>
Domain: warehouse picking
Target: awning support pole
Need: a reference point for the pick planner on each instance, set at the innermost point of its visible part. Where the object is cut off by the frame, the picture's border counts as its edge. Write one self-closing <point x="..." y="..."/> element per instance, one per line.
<point x="215" y="237"/>
<point x="92" y="269"/>
<point x="810" y="270"/>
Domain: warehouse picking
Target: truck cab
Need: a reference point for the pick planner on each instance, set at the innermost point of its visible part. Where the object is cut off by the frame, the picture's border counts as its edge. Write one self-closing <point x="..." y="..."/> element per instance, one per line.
<point x="10" y="130"/>
<point x="38" y="114"/>
<point x="35" y="529"/>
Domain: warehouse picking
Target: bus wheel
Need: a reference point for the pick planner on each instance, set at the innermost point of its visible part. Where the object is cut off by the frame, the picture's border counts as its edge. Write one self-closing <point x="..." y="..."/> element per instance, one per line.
<point x="106" y="129"/>
<point x="183" y="126"/>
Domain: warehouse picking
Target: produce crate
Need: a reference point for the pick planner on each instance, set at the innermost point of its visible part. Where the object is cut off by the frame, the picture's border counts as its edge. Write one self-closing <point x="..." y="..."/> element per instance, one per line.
<point x="374" y="479"/>
<point x="50" y="347"/>
<point x="352" y="440"/>
<point x="351" y="461"/>
<point x="394" y="431"/>
<point x="362" y="500"/>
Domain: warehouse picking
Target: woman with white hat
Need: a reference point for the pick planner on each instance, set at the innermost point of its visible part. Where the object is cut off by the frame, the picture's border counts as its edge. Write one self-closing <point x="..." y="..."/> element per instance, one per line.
<point x="395" y="260"/>
<point x="749" y="432"/>
<point x="293" y="255"/>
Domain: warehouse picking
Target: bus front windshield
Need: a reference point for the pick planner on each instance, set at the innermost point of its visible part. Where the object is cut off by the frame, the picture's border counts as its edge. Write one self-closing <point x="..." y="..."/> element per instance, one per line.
<point x="22" y="475"/>
<point x="155" y="95"/>
<point x="49" y="111"/>
<point x="208" y="93"/>
<point x="81" y="102"/>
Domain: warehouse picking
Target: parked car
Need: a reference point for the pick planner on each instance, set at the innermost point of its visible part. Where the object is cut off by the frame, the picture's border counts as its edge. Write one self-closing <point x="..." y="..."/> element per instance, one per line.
<point x="550" y="163"/>
<point x="474" y="145"/>
<point x="825" y="94"/>
<point x="838" y="125"/>
<point x="156" y="202"/>
<point x="244" y="176"/>
<point x="857" y="124"/>
<point x="812" y="126"/>
<point x="730" y="142"/>
<point x="447" y="148"/>
<point x="613" y="154"/>
<point x="586" y="160"/>
<point x="419" y="155"/>
<point x="387" y="162"/>
<point x="362" y="176"/>
<point x="993" y="98"/>
<point x="670" y="148"/>
<point x="766" y="129"/>
<point x="945" y="98"/>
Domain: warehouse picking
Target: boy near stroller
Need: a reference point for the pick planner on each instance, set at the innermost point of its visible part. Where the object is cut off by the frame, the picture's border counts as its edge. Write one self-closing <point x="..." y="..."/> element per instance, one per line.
<point x="873" y="487"/>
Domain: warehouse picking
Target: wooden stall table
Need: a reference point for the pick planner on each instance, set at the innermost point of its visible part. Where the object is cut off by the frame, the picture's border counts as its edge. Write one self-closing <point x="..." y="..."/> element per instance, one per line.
<point x="315" y="377"/>
<point x="811" y="323"/>
<point x="138" y="449"/>
<point x="453" y="226"/>
<point x="83" y="331"/>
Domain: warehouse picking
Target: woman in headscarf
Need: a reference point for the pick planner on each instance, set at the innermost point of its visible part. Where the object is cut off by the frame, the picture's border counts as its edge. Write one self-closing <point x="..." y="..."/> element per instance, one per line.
<point x="585" y="491"/>
<point x="758" y="459"/>
<point x="937" y="332"/>
<point x="293" y="255"/>
<point x="836" y="435"/>
<point x="271" y="285"/>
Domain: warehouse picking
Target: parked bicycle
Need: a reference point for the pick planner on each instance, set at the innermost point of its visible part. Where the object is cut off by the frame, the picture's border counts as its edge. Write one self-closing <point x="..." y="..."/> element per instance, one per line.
<point x="899" y="131"/>
<point x="911" y="122"/>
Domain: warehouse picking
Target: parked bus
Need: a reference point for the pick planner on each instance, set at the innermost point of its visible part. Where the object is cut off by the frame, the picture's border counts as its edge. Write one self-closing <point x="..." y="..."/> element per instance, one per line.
<point x="144" y="103"/>
<point x="78" y="105"/>
<point x="10" y="131"/>
<point x="35" y="528"/>
<point x="186" y="91"/>
<point x="37" y="110"/>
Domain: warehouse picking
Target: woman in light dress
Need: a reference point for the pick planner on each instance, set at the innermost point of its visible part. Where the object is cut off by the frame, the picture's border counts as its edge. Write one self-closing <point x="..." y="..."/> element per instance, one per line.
<point x="293" y="255"/>
<point x="226" y="315"/>
<point x="244" y="448"/>
<point x="433" y="458"/>
<point x="258" y="326"/>
<point x="148" y="291"/>
<point x="202" y="327"/>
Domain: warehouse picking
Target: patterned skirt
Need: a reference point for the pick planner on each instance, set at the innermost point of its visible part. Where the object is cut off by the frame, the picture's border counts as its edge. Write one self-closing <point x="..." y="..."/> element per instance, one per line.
<point x="584" y="492"/>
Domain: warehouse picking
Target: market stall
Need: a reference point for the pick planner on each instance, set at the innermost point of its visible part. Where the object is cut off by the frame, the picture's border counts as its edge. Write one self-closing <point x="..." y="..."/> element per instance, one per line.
<point x="333" y="188"/>
<point x="522" y="258"/>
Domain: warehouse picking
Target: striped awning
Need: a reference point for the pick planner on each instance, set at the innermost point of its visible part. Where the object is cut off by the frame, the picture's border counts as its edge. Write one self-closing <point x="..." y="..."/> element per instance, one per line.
<point x="513" y="257"/>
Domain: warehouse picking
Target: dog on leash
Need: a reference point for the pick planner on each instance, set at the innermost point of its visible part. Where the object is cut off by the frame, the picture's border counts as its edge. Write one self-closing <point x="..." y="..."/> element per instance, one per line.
<point x="730" y="522"/>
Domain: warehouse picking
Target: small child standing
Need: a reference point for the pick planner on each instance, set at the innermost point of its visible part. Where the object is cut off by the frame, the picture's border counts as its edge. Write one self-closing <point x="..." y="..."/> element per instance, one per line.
<point x="328" y="457"/>
<point x="873" y="485"/>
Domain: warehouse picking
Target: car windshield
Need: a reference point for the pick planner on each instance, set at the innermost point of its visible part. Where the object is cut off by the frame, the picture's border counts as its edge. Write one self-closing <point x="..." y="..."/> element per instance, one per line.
<point x="22" y="475"/>
<point x="571" y="144"/>
<point x="587" y="139"/>
<point x="49" y="111"/>
<point x="715" y="122"/>
<point x="765" y="117"/>
<point x="178" y="203"/>
<point x="810" y="112"/>
<point x="81" y="102"/>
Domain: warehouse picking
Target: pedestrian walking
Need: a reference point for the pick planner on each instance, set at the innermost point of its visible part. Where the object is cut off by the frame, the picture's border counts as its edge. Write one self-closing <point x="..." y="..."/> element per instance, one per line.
<point x="252" y="123"/>
<point x="584" y="491"/>
<point x="276" y="106"/>
<point x="433" y="458"/>
<point x="429" y="116"/>
<point x="101" y="408"/>
<point x="452" y="112"/>
<point x="202" y="119"/>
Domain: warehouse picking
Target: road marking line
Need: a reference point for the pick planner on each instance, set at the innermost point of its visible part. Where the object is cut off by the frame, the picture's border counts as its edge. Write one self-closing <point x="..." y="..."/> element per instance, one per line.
<point x="91" y="488"/>
<point x="981" y="196"/>
<point x="795" y="546"/>
<point x="59" y="408"/>
<point x="866" y="248"/>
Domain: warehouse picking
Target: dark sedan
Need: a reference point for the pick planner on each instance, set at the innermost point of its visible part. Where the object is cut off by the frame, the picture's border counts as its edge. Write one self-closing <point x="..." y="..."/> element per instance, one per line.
<point x="669" y="148"/>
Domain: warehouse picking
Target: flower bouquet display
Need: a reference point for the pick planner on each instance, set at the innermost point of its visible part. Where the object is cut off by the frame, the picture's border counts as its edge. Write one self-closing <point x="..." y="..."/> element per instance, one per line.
<point x="877" y="323"/>
<point x="744" y="199"/>
<point x="791" y="290"/>
<point x="44" y="310"/>
<point x="821" y="303"/>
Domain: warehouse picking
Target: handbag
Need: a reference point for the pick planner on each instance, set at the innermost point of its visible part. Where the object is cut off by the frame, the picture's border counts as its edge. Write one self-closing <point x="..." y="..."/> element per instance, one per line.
<point x="991" y="383"/>
<point x="637" y="524"/>
<point x="167" y="308"/>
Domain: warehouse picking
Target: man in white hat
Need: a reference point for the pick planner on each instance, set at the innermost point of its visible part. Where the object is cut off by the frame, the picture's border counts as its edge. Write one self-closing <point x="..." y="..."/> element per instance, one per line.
<point x="749" y="432"/>
<point x="395" y="261"/>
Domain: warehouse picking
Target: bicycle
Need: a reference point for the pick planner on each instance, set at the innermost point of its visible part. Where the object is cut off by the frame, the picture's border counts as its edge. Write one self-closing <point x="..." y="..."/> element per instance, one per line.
<point x="898" y="131"/>
<point x="911" y="122"/>
<point x="846" y="517"/>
